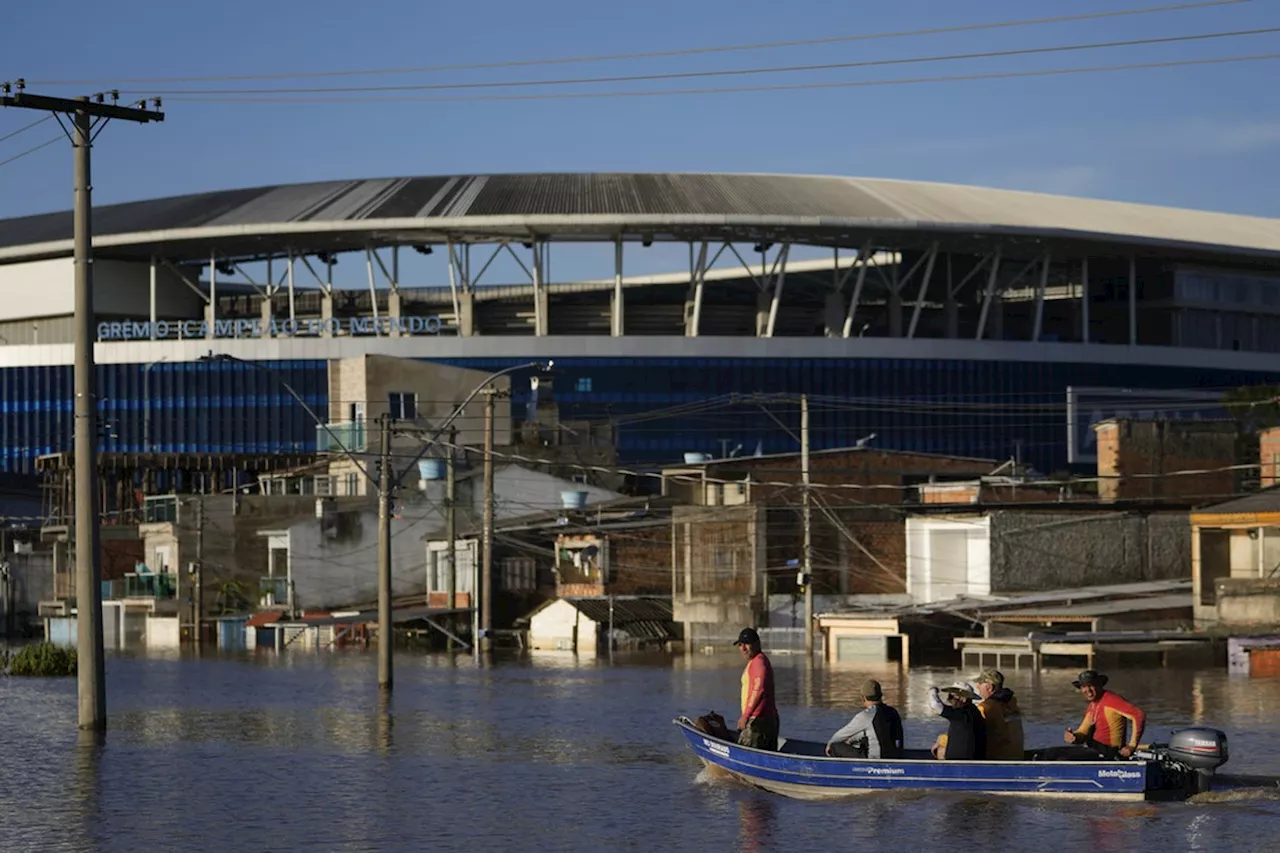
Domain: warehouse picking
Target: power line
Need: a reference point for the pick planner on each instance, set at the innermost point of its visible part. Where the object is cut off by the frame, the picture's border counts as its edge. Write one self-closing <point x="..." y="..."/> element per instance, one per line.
<point x="732" y="72"/>
<point x="31" y="150"/>
<point x="656" y="54"/>
<point x="790" y="87"/>
<point x="25" y="128"/>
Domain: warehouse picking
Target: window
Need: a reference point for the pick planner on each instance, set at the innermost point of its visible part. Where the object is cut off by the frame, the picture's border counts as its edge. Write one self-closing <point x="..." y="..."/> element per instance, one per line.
<point x="584" y="383"/>
<point x="403" y="405"/>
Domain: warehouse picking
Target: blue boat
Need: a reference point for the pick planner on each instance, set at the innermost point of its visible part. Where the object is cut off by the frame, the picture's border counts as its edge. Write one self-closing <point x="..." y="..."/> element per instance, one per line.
<point x="800" y="769"/>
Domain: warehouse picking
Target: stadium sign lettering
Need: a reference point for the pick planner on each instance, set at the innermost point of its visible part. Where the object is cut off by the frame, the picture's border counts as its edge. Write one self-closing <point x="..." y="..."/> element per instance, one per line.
<point x="128" y="330"/>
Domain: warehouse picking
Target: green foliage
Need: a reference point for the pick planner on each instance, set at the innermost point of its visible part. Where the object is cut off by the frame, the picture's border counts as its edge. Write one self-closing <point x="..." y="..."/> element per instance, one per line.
<point x="42" y="660"/>
<point x="1254" y="406"/>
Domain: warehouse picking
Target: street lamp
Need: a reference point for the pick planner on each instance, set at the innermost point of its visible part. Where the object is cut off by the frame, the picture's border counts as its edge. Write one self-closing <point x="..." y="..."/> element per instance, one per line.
<point x="386" y="484"/>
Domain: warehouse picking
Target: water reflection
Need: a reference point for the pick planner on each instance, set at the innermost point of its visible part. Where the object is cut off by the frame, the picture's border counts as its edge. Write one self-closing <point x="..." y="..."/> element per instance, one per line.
<point x="549" y="752"/>
<point x="757" y="817"/>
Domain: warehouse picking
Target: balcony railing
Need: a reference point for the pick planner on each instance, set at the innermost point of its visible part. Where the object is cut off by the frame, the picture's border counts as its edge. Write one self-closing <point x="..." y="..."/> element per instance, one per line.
<point x="158" y="586"/>
<point x="353" y="435"/>
<point x="273" y="590"/>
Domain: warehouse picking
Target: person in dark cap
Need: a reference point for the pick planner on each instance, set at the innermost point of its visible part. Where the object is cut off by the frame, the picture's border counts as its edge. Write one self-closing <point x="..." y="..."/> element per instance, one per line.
<point x="758" y="725"/>
<point x="874" y="732"/>
<point x="1105" y="719"/>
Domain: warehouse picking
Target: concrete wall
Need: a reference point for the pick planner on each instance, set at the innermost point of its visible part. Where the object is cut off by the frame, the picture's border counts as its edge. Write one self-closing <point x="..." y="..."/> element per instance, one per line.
<point x="1035" y="551"/>
<point x="948" y="557"/>
<point x="43" y="289"/>
<point x="560" y="625"/>
<point x="32" y="578"/>
<point x="1252" y="604"/>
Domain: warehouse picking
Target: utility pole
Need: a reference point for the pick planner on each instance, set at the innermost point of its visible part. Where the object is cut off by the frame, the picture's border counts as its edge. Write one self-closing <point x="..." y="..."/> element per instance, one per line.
<point x="486" y="570"/>
<point x="199" y="573"/>
<point x="87" y="118"/>
<point x="385" y="640"/>
<point x="451" y="526"/>
<point x="808" y="531"/>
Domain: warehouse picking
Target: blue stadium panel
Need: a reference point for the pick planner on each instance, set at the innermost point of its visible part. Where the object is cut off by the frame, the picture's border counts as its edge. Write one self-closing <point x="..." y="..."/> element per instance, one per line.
<point x="989" y="409"/>
<point x="181" y="407"/>
<point x="998" y="408"/>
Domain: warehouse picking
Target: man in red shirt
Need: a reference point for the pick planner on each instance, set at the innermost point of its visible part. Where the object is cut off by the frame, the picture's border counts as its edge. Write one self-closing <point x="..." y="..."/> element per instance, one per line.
<point x="758" y="725"/>
<point x="1105" y="719"/>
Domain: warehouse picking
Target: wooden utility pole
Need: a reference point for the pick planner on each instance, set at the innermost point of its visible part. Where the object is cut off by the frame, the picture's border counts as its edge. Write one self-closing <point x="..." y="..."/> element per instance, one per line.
<point x="808" y="531"/>
<point x="385" y="639"/>
<point x="451" y="526"/>
<point x="486" y="570"/>
<point x="87" y="116"/>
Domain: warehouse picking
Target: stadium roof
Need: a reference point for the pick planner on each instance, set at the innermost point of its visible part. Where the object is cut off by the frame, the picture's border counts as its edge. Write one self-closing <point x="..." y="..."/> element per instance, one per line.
<point x="337" y="215"/>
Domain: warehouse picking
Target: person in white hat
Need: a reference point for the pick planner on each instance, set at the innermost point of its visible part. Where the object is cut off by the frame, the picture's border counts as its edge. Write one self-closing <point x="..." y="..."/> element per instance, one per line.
<point x="966" y="737"/>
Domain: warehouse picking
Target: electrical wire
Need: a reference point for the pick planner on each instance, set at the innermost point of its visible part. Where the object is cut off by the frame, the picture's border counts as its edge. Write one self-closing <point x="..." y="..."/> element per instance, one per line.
<point x="736" y="72"/>
<point x="720" y="90"/>
<point x="656" y="54"/>
<point x="25" y="128"/>
<point x="31" y="150"/>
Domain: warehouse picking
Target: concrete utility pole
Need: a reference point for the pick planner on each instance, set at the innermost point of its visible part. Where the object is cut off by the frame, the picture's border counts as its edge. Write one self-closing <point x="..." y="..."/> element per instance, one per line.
<point x="486" y="544"/>
<point x="87" y="118"/>
<point x="385" y="639"/>
<point x="451" y="525"/>
<point x="808" y="531"/>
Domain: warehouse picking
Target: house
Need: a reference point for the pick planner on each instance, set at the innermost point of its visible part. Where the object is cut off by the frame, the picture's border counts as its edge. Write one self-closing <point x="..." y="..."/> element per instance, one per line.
<point x="587" y="624"/>
<point x="956" y="552"/>
<point x="738" y="541"/>
<point x="1235" y="562"/>
<point x="618" y="547"/>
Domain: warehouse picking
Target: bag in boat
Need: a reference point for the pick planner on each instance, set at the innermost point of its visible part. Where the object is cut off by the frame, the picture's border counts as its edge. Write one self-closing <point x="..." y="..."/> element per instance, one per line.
<point x="713" y="724"/>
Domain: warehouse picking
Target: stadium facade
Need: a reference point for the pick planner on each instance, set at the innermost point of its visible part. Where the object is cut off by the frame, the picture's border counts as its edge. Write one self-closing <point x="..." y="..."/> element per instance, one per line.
<point x="941" y="318"/>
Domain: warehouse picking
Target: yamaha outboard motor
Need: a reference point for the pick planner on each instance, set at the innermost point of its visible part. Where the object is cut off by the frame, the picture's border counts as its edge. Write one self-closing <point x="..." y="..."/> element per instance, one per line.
<point x="1193" y="755"/>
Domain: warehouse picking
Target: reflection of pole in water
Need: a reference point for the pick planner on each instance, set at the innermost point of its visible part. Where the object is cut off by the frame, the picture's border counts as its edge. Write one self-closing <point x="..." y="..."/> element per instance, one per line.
<point x="86" y="790"/>
<point x="383" y="724"/>
<point x="756" y="820"/>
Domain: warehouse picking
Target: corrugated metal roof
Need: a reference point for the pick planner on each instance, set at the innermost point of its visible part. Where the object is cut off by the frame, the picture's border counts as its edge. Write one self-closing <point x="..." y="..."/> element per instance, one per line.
<point x="1096" y="608"/>
<point x="547" y="201"/>
<point x="1267" y="500"/>
<point x="648" y="618"/>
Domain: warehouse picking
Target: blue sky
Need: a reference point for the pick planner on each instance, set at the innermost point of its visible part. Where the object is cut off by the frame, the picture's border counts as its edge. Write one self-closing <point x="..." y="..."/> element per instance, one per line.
<point x="1199" y="136"/>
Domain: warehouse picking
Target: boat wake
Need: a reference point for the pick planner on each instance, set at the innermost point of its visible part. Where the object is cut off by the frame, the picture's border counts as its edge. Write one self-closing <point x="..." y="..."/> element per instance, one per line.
<point x="1240" y="789"/>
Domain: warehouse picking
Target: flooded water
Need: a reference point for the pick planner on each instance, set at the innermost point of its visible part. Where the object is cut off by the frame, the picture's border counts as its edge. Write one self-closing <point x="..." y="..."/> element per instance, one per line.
<point x="547" y="753"/>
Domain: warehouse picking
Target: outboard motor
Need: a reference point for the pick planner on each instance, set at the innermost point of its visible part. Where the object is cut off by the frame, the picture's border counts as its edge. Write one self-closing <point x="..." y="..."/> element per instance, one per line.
<point x="1193" y="754"/>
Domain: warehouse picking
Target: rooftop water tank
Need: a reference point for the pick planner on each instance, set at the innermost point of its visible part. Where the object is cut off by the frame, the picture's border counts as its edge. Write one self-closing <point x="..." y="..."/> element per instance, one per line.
<point x="696" y="458"/>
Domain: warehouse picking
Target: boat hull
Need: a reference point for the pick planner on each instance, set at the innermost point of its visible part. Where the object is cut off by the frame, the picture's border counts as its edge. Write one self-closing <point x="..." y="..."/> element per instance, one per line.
<point x="800" y="770"/>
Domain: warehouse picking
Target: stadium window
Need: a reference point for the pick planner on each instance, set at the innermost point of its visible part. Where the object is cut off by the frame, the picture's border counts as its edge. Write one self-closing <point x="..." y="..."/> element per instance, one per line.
<point x="403" y="405"/>
<point x="584" y="383"/>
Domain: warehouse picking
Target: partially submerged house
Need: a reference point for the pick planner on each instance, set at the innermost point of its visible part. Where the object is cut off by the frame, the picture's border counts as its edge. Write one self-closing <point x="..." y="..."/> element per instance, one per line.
<point x="589" y="625"/>
<point x="1236" y="562"/>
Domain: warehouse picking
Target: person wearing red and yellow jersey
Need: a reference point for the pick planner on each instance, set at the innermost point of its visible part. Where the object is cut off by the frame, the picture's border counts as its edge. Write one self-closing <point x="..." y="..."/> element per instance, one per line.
<point x="758" y="725"/>
<point x="1106" y="718"/>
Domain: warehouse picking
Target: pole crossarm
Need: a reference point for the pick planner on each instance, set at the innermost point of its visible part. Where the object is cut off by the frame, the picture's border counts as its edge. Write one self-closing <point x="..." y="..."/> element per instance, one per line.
<point x="95" y="106"/>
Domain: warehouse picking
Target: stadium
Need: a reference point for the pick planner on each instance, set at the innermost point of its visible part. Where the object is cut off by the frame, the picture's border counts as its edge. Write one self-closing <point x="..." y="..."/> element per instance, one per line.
<point x="939" y="318"/>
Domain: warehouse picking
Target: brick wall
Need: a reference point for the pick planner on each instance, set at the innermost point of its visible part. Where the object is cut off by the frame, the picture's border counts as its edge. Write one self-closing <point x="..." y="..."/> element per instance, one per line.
<point x="640" y="561"/>
<point x="1131" y="447"/>
<point x="1269" y="456"/>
